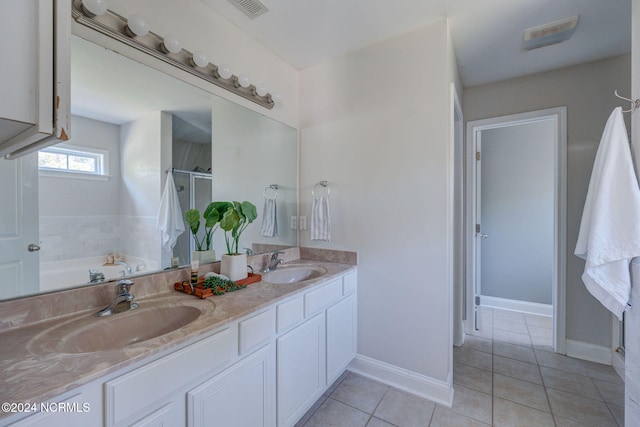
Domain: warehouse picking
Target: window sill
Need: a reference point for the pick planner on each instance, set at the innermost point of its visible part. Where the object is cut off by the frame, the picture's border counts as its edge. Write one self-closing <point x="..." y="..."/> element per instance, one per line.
<point x="73" y="175"/>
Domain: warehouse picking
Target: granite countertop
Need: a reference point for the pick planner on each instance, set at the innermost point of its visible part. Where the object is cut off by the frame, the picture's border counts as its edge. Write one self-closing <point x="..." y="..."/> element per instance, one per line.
<point x="32" y="373"/>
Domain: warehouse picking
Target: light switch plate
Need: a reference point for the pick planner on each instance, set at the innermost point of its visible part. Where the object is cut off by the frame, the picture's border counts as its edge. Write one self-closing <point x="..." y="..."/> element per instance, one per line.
<point x="294" y="222"/>
<point x="303" y="223"/>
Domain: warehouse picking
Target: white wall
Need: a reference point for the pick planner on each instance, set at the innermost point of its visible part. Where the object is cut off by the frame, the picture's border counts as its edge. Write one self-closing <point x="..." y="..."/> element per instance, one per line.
<point x="586" y="91"/>
<point x="79" y="217"/>
<point x="517" y="211"/>
<point x="242" y="168"/>
<point x="375" y="124"/>
<point x="198" y="26"/>
<point x="142" y="182"/>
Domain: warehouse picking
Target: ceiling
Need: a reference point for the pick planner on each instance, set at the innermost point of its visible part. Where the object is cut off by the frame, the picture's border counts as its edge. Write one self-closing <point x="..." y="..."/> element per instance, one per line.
<point x="140" y="91"/>
<point x="487" y="34"/>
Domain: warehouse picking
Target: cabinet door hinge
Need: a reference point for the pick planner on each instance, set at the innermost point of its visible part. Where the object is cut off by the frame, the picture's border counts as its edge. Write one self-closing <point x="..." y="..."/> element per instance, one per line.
<point x="477" y="300"/>
<point x="477" y="155"/>
<point x="477" y="228"/>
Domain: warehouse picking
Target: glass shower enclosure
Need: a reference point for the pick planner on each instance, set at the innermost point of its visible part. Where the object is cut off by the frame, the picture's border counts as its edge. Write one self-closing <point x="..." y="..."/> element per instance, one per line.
<point x="194" y="192"/>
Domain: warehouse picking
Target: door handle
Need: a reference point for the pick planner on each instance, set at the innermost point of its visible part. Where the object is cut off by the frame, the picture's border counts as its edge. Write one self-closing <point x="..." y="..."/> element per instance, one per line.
<point x="33" y="247"/>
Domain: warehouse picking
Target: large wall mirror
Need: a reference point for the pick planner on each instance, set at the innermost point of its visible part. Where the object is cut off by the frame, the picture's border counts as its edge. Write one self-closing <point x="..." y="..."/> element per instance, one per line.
<point x="130" y="124"/>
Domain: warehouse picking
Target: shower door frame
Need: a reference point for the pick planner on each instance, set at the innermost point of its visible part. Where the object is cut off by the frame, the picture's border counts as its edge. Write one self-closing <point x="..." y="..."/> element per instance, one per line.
<point x="192" y="196"/>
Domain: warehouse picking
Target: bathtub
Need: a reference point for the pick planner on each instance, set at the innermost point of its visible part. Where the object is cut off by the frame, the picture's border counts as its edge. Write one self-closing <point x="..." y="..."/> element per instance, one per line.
<point x="56" y="275"/>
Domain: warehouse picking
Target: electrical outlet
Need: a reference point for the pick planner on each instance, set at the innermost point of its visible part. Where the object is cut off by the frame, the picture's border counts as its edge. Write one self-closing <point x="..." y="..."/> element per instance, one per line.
<point x="294" y="222"/>
<point x="303" y="223"/>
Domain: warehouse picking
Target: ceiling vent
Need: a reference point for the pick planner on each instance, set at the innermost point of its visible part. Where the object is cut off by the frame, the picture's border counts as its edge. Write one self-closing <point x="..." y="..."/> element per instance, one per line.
<point x="547" y="34"/>
<point x="251" y="8"/>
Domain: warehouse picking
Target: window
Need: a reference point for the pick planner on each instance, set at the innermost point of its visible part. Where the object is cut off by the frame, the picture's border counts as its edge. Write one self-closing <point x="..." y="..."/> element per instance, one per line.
<point x="74" y="161"/>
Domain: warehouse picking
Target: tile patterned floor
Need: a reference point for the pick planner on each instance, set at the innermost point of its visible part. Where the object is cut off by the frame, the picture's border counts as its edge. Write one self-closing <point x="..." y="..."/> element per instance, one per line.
<point x="506" y="376"/>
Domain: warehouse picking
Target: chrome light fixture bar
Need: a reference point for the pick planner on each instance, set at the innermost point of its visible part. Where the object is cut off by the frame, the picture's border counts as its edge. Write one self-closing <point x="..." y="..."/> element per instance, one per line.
<point x="117" y="27"/>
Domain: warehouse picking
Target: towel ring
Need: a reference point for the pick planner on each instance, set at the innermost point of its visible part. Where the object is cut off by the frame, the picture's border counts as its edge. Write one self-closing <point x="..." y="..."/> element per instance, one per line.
<point x="273" y="194"/>
<point x="323" y="184"/>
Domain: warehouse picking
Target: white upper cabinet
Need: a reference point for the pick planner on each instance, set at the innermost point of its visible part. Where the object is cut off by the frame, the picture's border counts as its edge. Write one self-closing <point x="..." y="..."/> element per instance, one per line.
<point x="34" y="74"/>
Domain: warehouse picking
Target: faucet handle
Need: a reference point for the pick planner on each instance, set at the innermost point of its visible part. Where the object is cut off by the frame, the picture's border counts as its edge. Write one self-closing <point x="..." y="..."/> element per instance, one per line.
<point x="274" y="255"/>
<point x="125" y="286"/>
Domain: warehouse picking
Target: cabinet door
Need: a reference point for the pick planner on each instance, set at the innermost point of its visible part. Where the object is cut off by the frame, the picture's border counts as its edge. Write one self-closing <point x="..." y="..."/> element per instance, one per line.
<point x="341" y="337"/>
<point x="168" y="415"/>
<point x="240" y="396"/>
<point x="35" y="35"/>
<point x="300" y="369"/>
<point x="82" y="408"/>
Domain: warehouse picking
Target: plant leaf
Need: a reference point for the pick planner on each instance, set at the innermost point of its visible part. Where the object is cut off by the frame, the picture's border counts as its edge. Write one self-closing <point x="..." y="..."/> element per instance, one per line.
<point x="192" y="216"/>
<point x="249" y="210"/>
<point x="211" y="216"/>
<point x="229" y="220"/>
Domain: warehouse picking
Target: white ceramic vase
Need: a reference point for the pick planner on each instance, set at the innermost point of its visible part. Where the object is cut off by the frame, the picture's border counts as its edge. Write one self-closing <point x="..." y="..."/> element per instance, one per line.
<point x="204" y="257"/>
<point x="234" y="266"/>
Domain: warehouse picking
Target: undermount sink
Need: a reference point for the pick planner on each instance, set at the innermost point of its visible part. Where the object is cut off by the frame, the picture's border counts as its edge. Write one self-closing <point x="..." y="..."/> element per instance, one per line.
<point x="294" y="274"/>
<point x="90" y="334"/>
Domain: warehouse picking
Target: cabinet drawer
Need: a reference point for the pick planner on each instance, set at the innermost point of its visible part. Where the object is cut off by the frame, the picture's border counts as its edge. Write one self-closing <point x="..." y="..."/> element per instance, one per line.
<point x="130" y="393"/>
<point x="316" y="300"/>
<point x="289" y="313"/>
<point x="350" y="283"/>
<point x="255" y="331"/>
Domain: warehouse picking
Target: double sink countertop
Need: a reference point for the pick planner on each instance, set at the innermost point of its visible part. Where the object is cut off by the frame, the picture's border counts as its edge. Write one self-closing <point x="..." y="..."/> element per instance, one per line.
<point x="35" y="369"/>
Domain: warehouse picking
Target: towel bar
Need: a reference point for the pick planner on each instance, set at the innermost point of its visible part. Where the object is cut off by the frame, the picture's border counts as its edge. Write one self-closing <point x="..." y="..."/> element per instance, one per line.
<point x="323" y="184"/>
<point x="274" y="188"/>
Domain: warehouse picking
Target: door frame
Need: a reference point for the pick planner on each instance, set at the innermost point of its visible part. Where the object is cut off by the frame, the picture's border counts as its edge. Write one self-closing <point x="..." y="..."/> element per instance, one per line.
<point x="559" y="117"/>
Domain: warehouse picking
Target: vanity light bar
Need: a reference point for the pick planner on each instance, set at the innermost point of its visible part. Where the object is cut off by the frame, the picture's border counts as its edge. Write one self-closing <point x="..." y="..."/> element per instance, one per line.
<point x="117" y="27"/>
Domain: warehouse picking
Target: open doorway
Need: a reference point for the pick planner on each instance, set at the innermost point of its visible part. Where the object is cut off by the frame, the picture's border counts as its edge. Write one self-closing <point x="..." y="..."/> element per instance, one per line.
<point x="516" y="174"/>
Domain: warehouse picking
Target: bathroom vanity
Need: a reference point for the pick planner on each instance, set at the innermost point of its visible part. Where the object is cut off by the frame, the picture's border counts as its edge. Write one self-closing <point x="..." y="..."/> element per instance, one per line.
<point x="260" y="356"/>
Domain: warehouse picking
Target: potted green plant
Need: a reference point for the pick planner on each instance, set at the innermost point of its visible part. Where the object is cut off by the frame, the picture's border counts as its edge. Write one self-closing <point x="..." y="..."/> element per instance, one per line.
<point x="234" y="221"/>
<point x="211" y="215"/>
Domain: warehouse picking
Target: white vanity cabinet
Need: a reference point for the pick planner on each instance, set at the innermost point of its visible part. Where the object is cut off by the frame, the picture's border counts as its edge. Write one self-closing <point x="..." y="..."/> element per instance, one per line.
<point x="79" y="408"/>
<point x="312" y="355"/>
<point x="341" y="337"/>
<point x="156" y="391"/>
<point x="263" y="370"/>
<point x="300" y="369"/>
<point x="241" y="396"/>
<point x="35" y="76"/>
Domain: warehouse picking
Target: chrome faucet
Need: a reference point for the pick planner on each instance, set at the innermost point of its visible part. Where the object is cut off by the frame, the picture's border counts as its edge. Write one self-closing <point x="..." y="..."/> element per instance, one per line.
<point x="123" y="296"/>
<point x="127" y="266"/>
<point x="273" y="262"/>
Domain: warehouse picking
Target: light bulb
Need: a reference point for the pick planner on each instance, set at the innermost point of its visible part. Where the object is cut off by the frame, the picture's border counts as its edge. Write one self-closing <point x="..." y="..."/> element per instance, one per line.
<point x="200" y="58"/>
<point x="261" y="90"/>
<point x="277" y="98"/>
<point x="95" y="7"/>
<point x="243" y="80"/>
<point x="224" y="71"/>
<point x="137" y="25"/>
<point x="171" y="44"/>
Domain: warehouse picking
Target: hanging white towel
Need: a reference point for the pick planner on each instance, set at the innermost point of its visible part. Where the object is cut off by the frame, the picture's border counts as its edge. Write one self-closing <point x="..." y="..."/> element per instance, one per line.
<point x="269" y="218"/>
<point x="170" y="220"/>
<point x="609" y="234"/>
<point x="320" y="219"/>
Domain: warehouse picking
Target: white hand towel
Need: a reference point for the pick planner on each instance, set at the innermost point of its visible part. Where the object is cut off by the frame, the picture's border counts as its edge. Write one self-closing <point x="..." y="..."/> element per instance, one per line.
<point x="320" y="219"/>
<point x="609" y="234"/>
<point x="269" y="219"/>
<point x="170" y="220"/>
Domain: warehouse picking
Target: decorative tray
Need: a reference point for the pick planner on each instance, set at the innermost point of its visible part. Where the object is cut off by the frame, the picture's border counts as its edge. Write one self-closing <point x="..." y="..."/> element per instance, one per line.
<point x="215" y="285"/>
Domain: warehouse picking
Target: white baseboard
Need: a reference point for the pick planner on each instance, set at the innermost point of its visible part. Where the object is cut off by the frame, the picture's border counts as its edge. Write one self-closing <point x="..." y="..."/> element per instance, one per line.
<point x="516" y="305"/>
<point x="617" y="361"/>
<point x="403" y="379"/>
<point x="591" y="352"/>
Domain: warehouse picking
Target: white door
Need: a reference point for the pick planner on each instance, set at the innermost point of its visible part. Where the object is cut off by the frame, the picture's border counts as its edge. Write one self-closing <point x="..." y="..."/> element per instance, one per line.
<point x="515" y="179"/>
<point x="19" y="266"/>
<point x="481" y="234"/>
